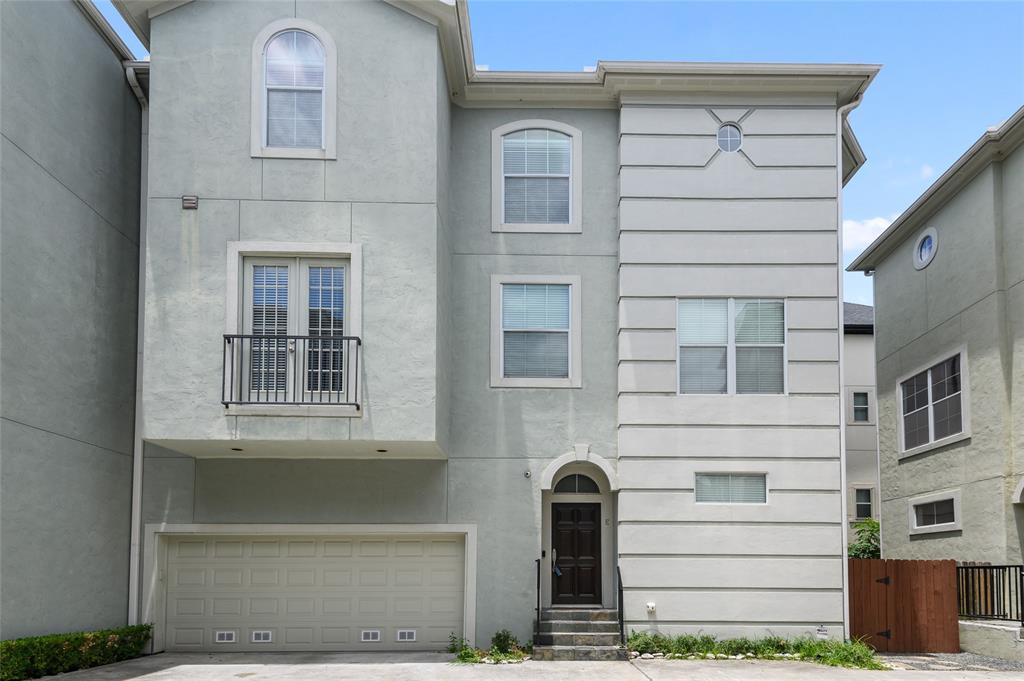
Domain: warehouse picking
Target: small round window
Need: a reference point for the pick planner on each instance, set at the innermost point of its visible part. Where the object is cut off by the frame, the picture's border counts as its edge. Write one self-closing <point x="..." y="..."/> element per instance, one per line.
<point x="925" y="248"/>
<point x="729" y="137"/>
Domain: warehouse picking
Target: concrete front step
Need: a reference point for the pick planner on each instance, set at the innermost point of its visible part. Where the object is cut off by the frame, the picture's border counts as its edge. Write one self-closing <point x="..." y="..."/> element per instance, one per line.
<point x="579" y="627"/>
<point x="578" y="639"/>
<point x="579" y="614"/>
<point x="565" y="653"/>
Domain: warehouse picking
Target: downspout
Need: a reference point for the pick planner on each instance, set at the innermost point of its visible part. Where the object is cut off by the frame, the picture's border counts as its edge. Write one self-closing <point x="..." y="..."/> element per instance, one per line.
<point x="137" y="450"/>
<point x="841" y="113"/>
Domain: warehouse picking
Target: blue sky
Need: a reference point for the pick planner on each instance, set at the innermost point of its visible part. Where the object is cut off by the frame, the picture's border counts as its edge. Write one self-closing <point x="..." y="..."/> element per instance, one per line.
<point x="951" y="70"/>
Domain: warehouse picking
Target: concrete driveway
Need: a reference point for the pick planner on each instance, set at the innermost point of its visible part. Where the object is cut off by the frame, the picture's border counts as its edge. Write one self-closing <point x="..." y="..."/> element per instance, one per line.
<point x="435" y="666"/>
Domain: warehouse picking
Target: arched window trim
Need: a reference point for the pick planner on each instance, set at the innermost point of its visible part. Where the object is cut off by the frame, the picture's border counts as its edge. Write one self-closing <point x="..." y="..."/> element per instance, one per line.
<point x="575" y="224"/>
<point x="258" y="148"/>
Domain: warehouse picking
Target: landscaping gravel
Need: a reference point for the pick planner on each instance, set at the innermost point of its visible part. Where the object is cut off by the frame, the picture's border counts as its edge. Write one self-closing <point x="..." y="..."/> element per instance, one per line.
<point x="950" y="662"/>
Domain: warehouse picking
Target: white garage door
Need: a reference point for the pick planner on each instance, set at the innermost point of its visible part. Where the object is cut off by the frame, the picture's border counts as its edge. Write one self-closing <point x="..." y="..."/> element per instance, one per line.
<point x="314" y="593"/>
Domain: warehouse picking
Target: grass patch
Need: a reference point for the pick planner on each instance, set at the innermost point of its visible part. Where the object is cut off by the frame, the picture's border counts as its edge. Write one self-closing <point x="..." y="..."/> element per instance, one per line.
<point x="30" y="658"/>
<point x="852" y="654"/>
<point x="505" y="649"/>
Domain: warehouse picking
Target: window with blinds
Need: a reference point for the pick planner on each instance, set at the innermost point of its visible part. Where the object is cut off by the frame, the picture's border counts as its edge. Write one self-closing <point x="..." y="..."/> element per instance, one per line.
<point x="731" y="346"/>
<point x="931" y="406"/>
<point x="535" y="330"/>
<point x="536" y="169"/>
<point x="294" y="66"/>
<point x="731" y="488"/>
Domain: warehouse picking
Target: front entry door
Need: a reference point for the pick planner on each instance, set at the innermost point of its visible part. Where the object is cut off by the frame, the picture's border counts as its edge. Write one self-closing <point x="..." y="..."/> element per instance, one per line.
<point x="576" y="554"/>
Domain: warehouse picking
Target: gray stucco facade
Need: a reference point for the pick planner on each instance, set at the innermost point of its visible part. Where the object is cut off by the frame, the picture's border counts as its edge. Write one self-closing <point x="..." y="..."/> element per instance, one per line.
<point x="431" y="496"/>
<point x="70" y="222"/>
<point x="967" y="301"/>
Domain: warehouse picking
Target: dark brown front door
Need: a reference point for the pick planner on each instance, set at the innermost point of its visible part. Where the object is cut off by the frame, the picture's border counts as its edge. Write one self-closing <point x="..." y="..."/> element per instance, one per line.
<point x="576" y="554"/>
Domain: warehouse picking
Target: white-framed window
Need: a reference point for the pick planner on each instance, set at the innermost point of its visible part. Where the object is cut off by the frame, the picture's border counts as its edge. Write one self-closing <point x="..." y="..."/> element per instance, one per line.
<point x="934" y="404"/>
<point x="731" y="488"/>
<point x="935" y="512"/>
<point x="730" y="137"/>
<point x="294" y="91"/>
<point x="925" y="248"/>
<point x="731" y="346"/>
<point x="536" y="183"/>
<point x="293" y="325"/>
<point x="535" y="331"/>
<point x="863" y="505"/>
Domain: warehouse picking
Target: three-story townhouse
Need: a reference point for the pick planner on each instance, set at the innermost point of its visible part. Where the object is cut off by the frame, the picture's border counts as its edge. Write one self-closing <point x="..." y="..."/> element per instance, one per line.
<point x="426" y="348"/>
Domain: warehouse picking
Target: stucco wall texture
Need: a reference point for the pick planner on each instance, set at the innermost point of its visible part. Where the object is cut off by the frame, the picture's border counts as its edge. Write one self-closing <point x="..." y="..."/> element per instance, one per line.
<point x="69" y="222"/>
<point x="971" y="296"/>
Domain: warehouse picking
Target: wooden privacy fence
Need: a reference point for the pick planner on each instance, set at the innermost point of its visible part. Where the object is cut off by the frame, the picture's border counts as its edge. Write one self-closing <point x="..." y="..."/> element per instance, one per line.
<point x="905" y="606"/>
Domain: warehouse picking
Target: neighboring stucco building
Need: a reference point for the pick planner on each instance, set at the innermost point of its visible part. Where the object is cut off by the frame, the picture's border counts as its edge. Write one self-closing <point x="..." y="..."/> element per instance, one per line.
<point x="949" y="302"/>
<point x="861" y="412"/>
<point x="416" y="338"/>
<point x="70" y="231"/>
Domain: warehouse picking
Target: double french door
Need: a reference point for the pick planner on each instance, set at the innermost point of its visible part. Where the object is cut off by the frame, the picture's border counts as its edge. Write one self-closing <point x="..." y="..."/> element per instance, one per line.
<point x="294" y="349"/>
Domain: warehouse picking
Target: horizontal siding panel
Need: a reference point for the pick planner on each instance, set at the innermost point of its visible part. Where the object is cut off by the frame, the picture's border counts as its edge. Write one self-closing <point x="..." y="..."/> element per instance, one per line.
<point x="744" y="248"/>
<point x="727" y="280"/>
<point x="751" y="573"/>
<point x="667" y="151"/>
<point x="738" y="214"/>
<point x="809" y="507"/>
<point x="743" y="606"/>
<point x="732" y="540"/>
<point x="813" y="314"/>
<point x="790" y="122"/>
<point x="647" y="313"/>
<point x="813" y="345"/>
<point x="648" y="377"/>
<point x="790" y="151"/>
<point x="647" y="345"/>
<point x="666" y="120"/>
<point x="726" y="410"/>
<point x="813" y="378"/>
<point x="728" y="176"/>
<point x="679" y="474"/>
<point x="726" y="442"/>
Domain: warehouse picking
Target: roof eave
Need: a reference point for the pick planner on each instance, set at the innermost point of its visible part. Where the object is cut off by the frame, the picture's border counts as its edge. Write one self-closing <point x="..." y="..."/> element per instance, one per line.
<point x="993" y="145"/>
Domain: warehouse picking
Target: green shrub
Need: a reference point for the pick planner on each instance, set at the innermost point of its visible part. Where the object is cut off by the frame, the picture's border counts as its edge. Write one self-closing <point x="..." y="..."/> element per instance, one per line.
<point x="29" y="658"/>
<point x="470" y="655"/>
<point x="456" y="644"/>
<point x="855" y="654"/>
<point x="868" y="543"/>
<point x="504" y="642"/>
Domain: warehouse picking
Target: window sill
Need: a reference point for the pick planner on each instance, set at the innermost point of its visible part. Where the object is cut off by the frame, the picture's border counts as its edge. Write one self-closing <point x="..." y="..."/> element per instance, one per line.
<point x="570" y="228"/>
<point x="921" y="449"/>
<point x="935" y="529"/>
<point x="535" y="383"/>
<point x="292" y="410"/>
<point x="308" y="154"/>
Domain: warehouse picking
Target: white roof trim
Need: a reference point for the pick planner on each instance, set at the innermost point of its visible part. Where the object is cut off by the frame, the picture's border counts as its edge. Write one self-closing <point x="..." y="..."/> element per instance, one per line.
<point x="993" y="145"/>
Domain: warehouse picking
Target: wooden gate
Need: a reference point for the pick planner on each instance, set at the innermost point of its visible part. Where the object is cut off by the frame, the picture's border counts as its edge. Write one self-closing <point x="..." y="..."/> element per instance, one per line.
<point x="904" y="606"/>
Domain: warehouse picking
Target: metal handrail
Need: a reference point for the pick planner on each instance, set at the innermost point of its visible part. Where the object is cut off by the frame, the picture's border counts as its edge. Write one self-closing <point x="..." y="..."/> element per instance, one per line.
<point x="622" y="609"/>
<point x="536" y="621"/>
<point x="991" y="592"/>
<point x="290" y="370"/>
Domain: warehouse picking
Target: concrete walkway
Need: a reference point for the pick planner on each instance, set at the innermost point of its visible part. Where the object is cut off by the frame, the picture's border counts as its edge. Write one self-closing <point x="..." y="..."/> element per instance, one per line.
<point x="435" y="667"/>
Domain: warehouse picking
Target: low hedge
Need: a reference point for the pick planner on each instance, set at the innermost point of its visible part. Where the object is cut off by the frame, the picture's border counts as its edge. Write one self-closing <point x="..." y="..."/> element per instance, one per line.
<point x="30" y="658"/>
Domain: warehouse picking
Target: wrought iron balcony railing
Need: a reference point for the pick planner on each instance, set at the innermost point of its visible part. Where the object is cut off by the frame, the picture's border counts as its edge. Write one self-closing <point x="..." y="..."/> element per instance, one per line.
<point x="291" y="370"/>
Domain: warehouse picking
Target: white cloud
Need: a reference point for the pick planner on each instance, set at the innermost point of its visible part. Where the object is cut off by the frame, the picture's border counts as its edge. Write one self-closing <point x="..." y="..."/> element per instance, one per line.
<point x="927" y="171"/>
<point x="857" y="234"/>
<point x="483" y="67"/>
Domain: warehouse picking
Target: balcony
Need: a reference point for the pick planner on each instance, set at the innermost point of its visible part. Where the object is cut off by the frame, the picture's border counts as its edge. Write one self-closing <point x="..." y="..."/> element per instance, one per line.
<point x="291" y="371"/>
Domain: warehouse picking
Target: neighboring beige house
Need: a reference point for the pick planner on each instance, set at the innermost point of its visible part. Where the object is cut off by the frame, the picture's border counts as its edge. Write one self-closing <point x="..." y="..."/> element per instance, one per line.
<point x="861" y="412"/>
<point x="949" y="301"/>
<point x="424" y="348"/>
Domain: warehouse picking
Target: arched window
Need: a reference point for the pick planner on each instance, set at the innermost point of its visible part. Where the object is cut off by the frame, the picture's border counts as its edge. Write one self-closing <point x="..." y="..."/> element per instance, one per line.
<point x="536" y="185"/>
<point x="577" y="483"/>
<point x="294" y="76"/>
<point x="294" y="66"/>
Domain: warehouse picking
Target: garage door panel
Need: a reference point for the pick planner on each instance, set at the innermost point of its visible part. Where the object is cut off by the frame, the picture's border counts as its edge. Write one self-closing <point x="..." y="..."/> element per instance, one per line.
<point x="314" y="593"/>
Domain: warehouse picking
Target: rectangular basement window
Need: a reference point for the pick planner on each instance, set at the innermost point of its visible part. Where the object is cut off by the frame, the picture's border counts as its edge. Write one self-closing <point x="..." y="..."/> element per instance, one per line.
<point x="224" y="637"/>
<point x="406" y="635"/>
<point x="731" y="488"/>
<point x="262" y="636"/>
<point x="370" y="635"/>
<point x="936" y="512"/>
